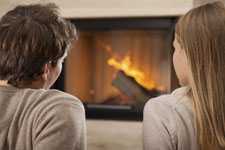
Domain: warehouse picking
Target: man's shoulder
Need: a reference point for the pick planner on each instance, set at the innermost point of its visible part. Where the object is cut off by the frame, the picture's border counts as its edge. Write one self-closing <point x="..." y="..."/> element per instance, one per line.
<point x="51" y="98"/>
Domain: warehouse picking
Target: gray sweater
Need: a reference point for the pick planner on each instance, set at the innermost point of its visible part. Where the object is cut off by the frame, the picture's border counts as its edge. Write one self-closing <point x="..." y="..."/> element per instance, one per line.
<point x="40" y="120"/>
<point x="169" y="122"/>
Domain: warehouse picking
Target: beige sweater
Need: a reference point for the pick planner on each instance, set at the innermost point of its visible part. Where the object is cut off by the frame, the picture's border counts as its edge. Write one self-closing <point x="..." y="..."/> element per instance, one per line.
<point x="40" y="120"/>
<point x="169" y="122"/>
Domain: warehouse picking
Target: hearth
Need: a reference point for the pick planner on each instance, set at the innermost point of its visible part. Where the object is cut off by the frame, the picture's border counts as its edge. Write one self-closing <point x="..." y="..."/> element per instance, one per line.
<point x="118" y="64"/>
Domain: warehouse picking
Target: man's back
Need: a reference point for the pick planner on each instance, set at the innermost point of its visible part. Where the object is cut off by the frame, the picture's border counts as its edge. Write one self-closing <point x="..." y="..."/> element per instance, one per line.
<point x="40" y="119"/>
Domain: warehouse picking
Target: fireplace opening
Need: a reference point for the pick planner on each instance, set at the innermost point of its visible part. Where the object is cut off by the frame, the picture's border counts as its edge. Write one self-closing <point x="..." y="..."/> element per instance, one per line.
<point x="118" y="64"/>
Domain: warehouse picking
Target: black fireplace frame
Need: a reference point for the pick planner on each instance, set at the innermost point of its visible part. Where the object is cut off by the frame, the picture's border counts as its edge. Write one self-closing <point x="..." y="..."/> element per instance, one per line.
<point x="104" y="24"/>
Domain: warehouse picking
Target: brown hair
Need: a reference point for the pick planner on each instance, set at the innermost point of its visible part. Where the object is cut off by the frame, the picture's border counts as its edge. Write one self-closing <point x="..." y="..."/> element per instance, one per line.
<point x="30" y="37"/>
<point x="198" y="3"/>
<point x="201" y="32"/>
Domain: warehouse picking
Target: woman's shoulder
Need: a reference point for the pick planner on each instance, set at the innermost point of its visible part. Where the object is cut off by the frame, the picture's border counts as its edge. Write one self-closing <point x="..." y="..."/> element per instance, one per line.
<point x="172" y="118"/>
<point x="170" y="108"/>
<point x="171" y="101"/>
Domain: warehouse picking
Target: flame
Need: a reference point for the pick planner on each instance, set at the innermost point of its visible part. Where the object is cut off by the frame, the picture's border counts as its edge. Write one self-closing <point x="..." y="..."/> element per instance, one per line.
<point x="139" y="76"/>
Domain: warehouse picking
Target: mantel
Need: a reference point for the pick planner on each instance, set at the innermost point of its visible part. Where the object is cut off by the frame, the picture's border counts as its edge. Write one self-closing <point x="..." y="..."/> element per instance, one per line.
<point x="110" y="8"/>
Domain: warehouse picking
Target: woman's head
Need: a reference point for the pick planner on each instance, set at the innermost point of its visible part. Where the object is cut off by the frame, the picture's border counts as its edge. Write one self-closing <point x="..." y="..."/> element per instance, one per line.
<point x="201" y="36"/>
<point x="180" y="63"/>
<point x="197" y="3"/>
<point x="33" y="38"/>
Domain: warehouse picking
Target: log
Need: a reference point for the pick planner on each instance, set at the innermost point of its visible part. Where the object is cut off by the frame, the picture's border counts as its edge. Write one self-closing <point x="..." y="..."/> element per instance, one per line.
<point x="129" y="86"/>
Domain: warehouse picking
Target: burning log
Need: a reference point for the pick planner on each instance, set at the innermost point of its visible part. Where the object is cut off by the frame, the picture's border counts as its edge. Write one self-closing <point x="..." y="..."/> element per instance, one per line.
<point x="129" y="86"/>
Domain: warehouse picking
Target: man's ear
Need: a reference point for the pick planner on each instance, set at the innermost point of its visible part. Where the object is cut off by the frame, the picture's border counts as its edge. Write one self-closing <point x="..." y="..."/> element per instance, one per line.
<point x="45" y="73"/>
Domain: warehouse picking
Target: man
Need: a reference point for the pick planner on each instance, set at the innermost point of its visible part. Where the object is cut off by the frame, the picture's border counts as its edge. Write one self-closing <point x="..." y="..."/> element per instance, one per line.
<point x="34" y="42"/>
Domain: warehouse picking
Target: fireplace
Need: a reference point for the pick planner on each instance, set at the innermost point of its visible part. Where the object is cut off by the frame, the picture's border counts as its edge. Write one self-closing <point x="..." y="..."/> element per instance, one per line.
<point x="118" y="64"/>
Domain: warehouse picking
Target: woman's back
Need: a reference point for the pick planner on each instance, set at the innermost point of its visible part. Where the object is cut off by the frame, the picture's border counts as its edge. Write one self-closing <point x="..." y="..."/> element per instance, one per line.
<point x="168" y="122"/>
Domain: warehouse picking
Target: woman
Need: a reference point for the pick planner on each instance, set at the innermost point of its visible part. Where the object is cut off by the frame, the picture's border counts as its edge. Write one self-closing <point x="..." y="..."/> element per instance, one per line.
<point x="193" y="116"/>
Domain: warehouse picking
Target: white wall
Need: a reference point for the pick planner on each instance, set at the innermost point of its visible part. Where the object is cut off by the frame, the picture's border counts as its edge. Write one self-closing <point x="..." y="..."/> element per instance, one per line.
<point x="110" y="8"/>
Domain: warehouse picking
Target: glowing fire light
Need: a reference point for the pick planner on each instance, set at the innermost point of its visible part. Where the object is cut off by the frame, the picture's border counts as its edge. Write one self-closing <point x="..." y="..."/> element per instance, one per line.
<point x="126" y="66"/>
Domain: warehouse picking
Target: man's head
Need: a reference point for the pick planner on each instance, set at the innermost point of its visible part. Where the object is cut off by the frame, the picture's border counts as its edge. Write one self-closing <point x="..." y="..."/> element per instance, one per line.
<point x="33" y="42"/>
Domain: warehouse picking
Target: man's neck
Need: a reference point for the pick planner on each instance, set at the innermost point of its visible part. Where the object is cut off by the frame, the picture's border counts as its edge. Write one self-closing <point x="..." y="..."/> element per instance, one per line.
<point x="33" y="85"/>
<point x="4" y="83"/>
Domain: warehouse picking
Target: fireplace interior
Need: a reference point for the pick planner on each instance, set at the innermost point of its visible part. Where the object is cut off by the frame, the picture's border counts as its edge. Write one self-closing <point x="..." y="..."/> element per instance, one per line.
<point x="118" y="64"/>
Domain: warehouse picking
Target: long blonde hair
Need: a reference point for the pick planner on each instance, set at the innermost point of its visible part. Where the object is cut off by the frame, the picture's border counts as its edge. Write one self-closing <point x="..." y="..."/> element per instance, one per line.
<point x="201" y="33"/>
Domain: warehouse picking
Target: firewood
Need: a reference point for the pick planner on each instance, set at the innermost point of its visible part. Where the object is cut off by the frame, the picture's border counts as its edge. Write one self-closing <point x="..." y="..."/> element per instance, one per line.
<point x="132" y="88"/>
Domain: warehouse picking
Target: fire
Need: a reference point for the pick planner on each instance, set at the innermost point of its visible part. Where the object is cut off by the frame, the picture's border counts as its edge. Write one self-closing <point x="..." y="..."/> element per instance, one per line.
<point x="139" y="76"/>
